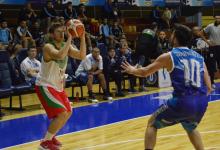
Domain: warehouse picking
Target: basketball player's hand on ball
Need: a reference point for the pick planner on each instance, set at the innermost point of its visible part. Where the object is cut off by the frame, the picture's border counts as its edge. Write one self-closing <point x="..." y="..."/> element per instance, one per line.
<point x="83" y="33"/>
<point x="128" y="68"/>
<point x="68" y="34"/>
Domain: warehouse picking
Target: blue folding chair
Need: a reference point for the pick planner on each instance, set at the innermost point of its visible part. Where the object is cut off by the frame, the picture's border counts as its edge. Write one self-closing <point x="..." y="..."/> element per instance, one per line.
<point x="17" y="90"/>
<point x="5" y="81"/>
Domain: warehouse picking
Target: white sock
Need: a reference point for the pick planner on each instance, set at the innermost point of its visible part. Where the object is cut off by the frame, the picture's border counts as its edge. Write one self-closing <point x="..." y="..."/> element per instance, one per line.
<point x="48" y="136"/>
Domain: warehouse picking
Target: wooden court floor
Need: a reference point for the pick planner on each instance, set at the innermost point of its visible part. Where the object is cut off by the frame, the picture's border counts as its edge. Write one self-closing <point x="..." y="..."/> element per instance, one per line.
<point x="129" y="135"/>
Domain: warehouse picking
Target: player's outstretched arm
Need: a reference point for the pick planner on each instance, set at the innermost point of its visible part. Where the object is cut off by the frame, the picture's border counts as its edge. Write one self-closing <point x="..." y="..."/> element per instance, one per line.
<point x="79" y="54"/>
<point x="207" y="80"/>
<point x="163" y="61"/>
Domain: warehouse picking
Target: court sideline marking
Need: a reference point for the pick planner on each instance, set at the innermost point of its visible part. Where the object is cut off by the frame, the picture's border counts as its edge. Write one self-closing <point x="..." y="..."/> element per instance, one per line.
<point x="101" y="127"/>
<point x="136" y="140"/>
<point x="42" y="112"/>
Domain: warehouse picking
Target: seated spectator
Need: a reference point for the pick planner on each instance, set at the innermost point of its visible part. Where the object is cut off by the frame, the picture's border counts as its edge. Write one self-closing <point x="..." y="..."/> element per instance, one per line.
<point x="14" y="65"/>
<point x="156" y="16"/>
<point x="48" y="14"/>
<point x="28" y="14"/>
<point x="164" y="42"/>
<point x="116" y="31"/>
<point x="89" y="69"/>
<point x="69" y="12"/>
<point x="113" y="70"/>
<point x="37" y="34"/>
<point x="124" y="54"/>
<point x="5" y="33"/>
<point x="122" y="41"/>
<point x="23" y="35"/>
<point x="30" y="66"/>
<point x="89" y="37"/>
<point x="105" y="33"/>
<point x="82" y="12"/>
<point x="108" y="9"/>
<point x="94" y="25"/>
<point x="116" y="12"/>
<point x="138" y="60"/>
<point x="174" y="16"/>
<point x="166" y="17"/>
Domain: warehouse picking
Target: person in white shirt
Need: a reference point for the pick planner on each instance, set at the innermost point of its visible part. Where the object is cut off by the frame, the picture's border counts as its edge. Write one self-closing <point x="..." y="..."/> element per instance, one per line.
<point x="30" y="66"/>
<point x="212" y="31"/>
<point x="89" y="69"/>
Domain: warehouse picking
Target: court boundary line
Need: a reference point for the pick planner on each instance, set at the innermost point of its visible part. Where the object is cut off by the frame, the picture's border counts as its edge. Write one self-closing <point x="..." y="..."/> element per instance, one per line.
<point x="167" y="89"/>
<point x="136" y="140"/>
<point x="90" y="129"/>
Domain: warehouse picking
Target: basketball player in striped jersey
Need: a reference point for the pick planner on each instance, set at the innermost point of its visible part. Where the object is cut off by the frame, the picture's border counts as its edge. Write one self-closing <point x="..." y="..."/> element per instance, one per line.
<point x="191" y="83"/>
<point x="51" y="79"/>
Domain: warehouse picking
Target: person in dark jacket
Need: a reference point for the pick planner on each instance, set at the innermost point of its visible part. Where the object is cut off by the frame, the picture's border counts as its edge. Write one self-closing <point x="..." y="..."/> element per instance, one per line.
<point x="69" y="12"/>
<point x="48" y="14"/>
<point x="124" y="53"/>
<point x="113" y="70"/>
<point x="28" y="14"/>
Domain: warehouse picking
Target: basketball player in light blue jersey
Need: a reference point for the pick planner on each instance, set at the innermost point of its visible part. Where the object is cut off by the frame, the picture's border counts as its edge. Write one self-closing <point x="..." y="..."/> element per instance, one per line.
<point x="191" y="83"/>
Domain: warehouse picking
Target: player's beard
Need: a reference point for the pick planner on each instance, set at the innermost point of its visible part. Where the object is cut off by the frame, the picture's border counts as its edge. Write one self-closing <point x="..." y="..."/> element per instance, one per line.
<point x="60" y="38"/>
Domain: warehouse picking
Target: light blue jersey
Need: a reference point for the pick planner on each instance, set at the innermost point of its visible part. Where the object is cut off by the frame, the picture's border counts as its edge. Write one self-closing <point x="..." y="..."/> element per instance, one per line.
<point x="189" y="101"/>
<point x="187" y="75"/>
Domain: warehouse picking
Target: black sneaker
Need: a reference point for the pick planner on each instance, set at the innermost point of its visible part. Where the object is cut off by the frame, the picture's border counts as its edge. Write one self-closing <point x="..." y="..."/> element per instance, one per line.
<point x="142" y="89"/>
<point x="92" y="99"/>
<point x="120" y="94"/>
<point x="107" y="97"/>
<point x="132" y="91"/>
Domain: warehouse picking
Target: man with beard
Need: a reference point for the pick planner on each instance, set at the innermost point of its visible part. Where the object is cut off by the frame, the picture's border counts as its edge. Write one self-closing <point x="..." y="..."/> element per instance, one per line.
<point x="191" y="83"/>
<point x="51" y="79"/>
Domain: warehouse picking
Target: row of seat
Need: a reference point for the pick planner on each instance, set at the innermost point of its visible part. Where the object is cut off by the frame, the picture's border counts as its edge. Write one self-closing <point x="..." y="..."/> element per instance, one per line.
<point x="7" y="89"/>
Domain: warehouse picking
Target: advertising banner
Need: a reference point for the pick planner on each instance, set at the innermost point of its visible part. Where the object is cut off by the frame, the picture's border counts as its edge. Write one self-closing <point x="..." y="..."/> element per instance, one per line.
<point x="86" y="2"/>
<point x="172" y="2"/>
<point x="159" y="79"/>
<point x="133" y="2"/>
<point x="148" y="2"/>
<point x="216" y="2"/>
<point x="14" y="2"/>
<point x="199" y="2"/>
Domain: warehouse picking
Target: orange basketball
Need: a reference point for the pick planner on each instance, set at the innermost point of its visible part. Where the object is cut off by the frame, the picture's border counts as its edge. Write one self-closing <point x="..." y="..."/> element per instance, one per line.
<point x="75" y="27"/>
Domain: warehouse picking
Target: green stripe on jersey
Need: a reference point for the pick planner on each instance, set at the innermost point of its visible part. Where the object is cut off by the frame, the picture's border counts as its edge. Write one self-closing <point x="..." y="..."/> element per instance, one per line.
<point x="51" y="101"/>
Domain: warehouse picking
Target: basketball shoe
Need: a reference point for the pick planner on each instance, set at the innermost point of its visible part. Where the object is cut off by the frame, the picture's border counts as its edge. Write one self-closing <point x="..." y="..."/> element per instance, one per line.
<point x="48" y="145"/>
